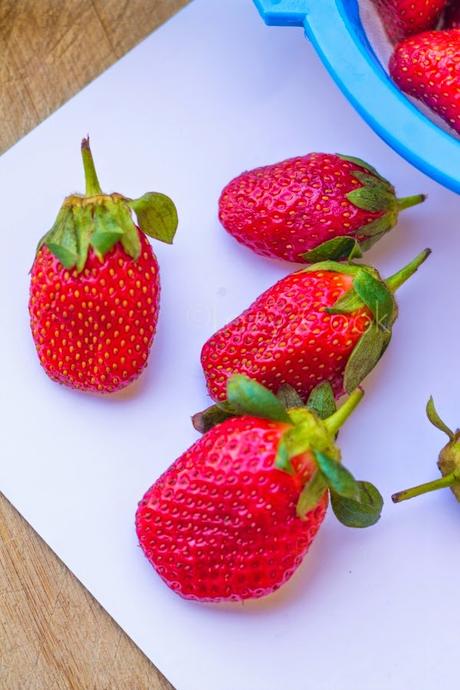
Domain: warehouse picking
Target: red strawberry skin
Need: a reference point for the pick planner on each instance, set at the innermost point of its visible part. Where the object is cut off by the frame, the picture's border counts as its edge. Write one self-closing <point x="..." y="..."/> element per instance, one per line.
<point x="286" y="336"/>
<point x="452" y="16"/>
<point x="286" y="209"/>
<point x="427" y="67"/>
<point x="93" y="330"/>
<point x="220" y="523"/>
<point x="403" y="18"/>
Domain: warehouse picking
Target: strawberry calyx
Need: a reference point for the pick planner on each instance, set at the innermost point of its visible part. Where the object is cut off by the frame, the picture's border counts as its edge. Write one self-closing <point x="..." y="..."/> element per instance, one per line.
<point x="310" y="428"/>
<point x="98" y="221"/>
<point x="371" y="291"/>
<point x="321" y="400"/>
<point x="448" y="462"/>
<point x="376" y="195"/>
<point x="337" y="249"/>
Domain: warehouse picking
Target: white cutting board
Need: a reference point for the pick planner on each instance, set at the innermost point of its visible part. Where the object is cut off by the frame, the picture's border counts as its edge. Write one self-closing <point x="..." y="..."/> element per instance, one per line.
<point x="211" y="93"/>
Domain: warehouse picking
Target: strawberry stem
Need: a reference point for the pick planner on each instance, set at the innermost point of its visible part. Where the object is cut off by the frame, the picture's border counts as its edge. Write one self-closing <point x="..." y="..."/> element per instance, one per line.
<point x="338" y="419"/>
<point x="395" y="281"/>
<point x="434" y="485"/>
<point x="408" y="201"/>
<point x="93" y="187"/>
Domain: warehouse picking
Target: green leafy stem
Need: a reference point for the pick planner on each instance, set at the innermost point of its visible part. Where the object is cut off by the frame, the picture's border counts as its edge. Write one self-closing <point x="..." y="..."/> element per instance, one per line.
<point x="369" y="290"/>
<point x="375" y="195"/>
<point x="99" y="221"/>
<point x="310" y="428"/>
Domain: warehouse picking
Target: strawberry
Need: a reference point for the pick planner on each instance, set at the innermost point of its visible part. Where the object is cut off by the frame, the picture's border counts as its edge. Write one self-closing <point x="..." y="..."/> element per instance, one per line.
<point x="428" y="67"/>
<point x="95" y="288"/>
<point x="452" y="16"/>
<point x="233" y="517"/>
<point x="310" y="208"/>
<point x="403" y="18"/>
<point x="330" y="321"/>
<point x="448" y="462"/>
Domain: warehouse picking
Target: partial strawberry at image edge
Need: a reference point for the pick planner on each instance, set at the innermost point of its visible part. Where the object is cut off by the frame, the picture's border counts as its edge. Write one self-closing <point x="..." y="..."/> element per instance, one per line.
<point x="311" y="208"/>
<point x="234" y="516"/>
<point x="426" y="67"/>
<point x="94" y="292"/>
<point x="404" y="18"/>
<point x="448" y="462"/>
<point x="331" y="321"/>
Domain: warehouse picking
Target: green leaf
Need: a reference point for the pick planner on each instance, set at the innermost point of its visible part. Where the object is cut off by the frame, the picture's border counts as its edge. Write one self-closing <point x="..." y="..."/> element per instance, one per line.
<point x="366" y="166"/>
<point x="368" y="289"/>
<point x="361" y="512"/>
<point x="311" y="494"/>
<point x="322" y="400"/>
<point x="84" y="227"/>
<point x="62" y="239"/>
<point x="106" y="231"/>
<point x="364" y="357"/>
<point x="157" y="215"/>
<point x="247" y="396"/>
<point x="375" y="295"/>
<point x="347" y="304"/>
<point x="338" y="478"/>
<point x="378" y="227"/>
<point x="436" y="420"/>
<point x="104" y="240"/>
<point x="130" y="238"/>
<point x="343" y="247"/>
<point x="334" y="266"/>
<point x="57" y="229"/>
<point x="212" y="416"/>
<point x="283" y="457"/>
<point x="288" y="396"/>
<point x="67" y="258"/>
<point x="374" y="181"/>
<point x="373" y="196"/>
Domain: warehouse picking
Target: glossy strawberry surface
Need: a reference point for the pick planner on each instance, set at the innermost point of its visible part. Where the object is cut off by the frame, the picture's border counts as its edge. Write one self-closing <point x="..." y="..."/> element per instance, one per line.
<point x="220" y="523"/>
<point x="403" y="18"/>
<point x="286" y="209"/>
<point x="93" y="330"/>
<point x="287" y="336"/>
<point x="427" y="67"/>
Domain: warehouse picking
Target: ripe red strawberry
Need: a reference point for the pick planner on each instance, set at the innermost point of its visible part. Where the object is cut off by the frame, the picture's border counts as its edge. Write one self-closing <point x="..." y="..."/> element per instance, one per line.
<point x="330" y="321"/>
<point x="403" y="18"/>
<point x="95" y="288"/>
<point x="233" y="517"/>
<point x="448" y="462"/>
<point x="311" y="207"/>
<point x="427" y="67"/>
<point x="452" y="16"/>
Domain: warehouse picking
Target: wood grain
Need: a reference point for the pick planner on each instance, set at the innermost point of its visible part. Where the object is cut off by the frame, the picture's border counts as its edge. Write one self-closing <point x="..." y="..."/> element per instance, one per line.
<point x="53" y="634"/>
<point x="50" y="49"/>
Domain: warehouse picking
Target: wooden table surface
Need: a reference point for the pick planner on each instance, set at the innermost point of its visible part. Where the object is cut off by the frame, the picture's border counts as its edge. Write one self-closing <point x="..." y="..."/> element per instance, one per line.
<point x="53" y="634"/>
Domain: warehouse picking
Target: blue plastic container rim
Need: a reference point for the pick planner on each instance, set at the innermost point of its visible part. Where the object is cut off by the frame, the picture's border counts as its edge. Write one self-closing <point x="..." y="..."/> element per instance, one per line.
<point x="334" y="28"/>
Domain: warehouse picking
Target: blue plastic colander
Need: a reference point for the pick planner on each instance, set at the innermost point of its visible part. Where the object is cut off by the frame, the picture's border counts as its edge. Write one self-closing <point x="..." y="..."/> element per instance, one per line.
<point x="334" y="28"/>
